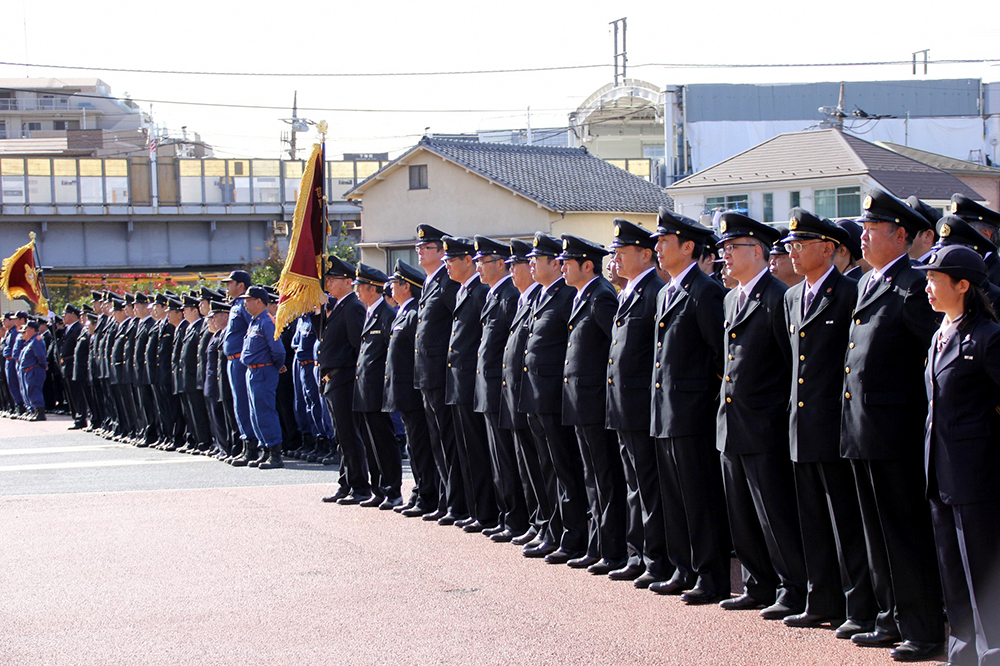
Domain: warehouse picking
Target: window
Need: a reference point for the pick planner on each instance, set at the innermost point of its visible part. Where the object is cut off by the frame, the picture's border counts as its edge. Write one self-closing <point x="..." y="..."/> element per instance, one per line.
<point x="839" y="202"/>
<point x="768" y="207"/>
<point x="794" y="199"/>
<point x="737" y="202"/>
<point x="59" y="125"/>
<point x="418" y="177"/>
<point x="32" y="127"/>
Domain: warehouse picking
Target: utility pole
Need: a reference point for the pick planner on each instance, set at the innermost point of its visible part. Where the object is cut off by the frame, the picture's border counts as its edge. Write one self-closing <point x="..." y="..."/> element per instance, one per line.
<point x="925" y="53"/>
<point x="620" y="55"/>
<point x="529" y="126"/>
<point x="298" y="125"/>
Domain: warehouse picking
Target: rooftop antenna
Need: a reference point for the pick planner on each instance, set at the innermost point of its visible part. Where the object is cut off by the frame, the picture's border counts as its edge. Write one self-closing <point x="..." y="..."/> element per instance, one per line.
<point x="925" y="53"/>
<point x="620" y="56"/>
<point x="834" y="114"/>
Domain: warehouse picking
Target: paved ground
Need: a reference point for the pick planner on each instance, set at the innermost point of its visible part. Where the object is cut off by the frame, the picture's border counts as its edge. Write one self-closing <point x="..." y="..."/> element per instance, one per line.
<point x="116" y="555"/>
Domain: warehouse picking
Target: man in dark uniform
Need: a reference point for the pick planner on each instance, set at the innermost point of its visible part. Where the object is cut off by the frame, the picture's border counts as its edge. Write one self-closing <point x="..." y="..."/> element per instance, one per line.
<point x="472" y="451"/>
<point x="541" y="399"/>
<point x="687" y="367"/>
<point x="434" y="317"/>
<point x="529" y="467"/>
<point x="151" y="377"/>
<point x="629" y="374"/>
<point x="119" y="372"/>
<point x="341" y="322"/>
<point x="67" y="354"/>
<point x="81" y="363"/>
<point x="882" y="430"/>
<point x="752" y="434"/>
<point x="172" y="421"/>
<point x="585" y="403"/>
<point x="191" y="389"/>
<point x="399" y="394"/>
<point x="923" y="241"/>
<point x="818" y="316"/>
<point x="495" y="318"/>
<point x="221" y="440"/>
<point x="369" y="384"/>
<point x="145" y="402"/>
<point x="848" y="259"/>
<point x="986" y="222"/>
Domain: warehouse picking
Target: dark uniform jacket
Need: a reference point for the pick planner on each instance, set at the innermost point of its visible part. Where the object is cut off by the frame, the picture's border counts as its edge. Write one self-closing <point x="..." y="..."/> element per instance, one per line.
<point x="119" y="367"/>
<point x="434" y="318"/>
<point x="961" y="449"/>
<point x="204" y="338"/>
<point x="687" y="360"/>
<point x="369" y="377"/>
<point x="165" y="355"/>
<point x="141" y="357"/>
<point x="211" y="389"/>
<point x="513" y="358"/>
<point x="67" y="352"/>
<point x="884" y="400"/>
<point x="189" y="356"/>
<point x="630" y="362"/>
<point x="152" y="353"/>
<point x="81" y="359"/>
<point x="129" y="367"/>
<point x="341" y="324"/>
<point x="818" y="341"/>
<point x="463" y="344"/>
<point x="993" y="268"/>
<point x="545" y="351"/>
<point x="585" y="382"/>
<point x="399" y="394"/>
<point x="753" y="410"/>
<point x="496" y="318"/>
<point x="176" y="358"/>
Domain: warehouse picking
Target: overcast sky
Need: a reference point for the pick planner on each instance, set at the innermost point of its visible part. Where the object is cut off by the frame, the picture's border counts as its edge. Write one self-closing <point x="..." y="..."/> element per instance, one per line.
<point x="393" y="36"/>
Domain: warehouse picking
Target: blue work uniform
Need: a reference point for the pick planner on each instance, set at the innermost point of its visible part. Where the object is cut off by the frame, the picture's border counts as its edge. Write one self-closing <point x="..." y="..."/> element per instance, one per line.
<point x="14" y="375"/>
<point x="263" y="356"/>
<point x="10" y="365"/>
<point x="324" y="413"/>
<point x="308" y="402"/>
<point x="232" y="346"/>
<point x="32" y="361"/>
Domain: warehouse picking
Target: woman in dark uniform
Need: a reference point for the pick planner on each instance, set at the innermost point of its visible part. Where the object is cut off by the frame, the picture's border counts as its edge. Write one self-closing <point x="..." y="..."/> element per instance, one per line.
<point x="962" y="452"/>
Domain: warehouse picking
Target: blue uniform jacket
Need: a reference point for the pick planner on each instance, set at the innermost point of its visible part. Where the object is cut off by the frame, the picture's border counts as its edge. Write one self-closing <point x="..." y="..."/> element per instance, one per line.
<point x="32" y="354"/>
<point x="259" y="346"/>
<point x="236" y="329"/>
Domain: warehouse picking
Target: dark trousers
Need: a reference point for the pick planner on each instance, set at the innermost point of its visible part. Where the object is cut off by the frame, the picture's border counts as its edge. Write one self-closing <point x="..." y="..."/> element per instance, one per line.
<point x="694" y="504"/>
<point x="376" y="427"/>
<point x="833" y="540"/>
<point x="764" y="524"/>
<point x="353" y="459"/>
<point x="147" y="405"/>
<point x="77" y="401"/>
<point x="604" y="483"/>
<point x="506" y="477"/>
<point x="899" y="537"/>
<point x="472" y="451"/>
<point x="644" y="527"/>
<point x="968" y="554"/>
<point x="418" y="442"/>
<point x="228" y="407"/>
<point x="529" y="469"/>
<point x="217" y="420"/>
<point x="95" y="406"/>
<point x="440" y="426"/>
<point x="567" y="495"/>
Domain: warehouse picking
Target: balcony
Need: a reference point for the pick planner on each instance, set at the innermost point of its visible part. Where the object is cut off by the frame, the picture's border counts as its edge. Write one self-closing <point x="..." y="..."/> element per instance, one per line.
<point x="40" y="104"/>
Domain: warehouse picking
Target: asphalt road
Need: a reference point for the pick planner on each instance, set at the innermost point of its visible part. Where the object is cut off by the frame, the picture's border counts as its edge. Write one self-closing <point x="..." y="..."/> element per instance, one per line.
<point x="117" y="555"/>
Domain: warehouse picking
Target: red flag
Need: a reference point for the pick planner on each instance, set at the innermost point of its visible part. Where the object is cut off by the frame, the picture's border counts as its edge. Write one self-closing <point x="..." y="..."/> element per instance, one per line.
<point x="301" y="281"/>
<point x="19" y="276"/>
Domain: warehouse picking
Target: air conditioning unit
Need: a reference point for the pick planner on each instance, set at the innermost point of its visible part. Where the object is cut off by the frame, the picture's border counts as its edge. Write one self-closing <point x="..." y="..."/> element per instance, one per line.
<point x="280" y="228"/>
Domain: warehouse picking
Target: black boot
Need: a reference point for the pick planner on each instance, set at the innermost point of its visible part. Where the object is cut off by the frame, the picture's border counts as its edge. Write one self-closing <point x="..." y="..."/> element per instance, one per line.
<point x="273" y="459"/>
<point x="249" y="454"/>
<point x="261" y="457"/>
<point x="37" y="415"/>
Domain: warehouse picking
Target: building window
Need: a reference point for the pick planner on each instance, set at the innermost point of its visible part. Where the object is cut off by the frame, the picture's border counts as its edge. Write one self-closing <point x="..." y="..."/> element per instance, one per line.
<point x="768" y="207"/>
<point x="59" y="125"/>
<point x="418" y="177"/>
<point x="32" y="127"/>
<point x="737" y="202"/>
<point x="839" y="202"/>
<point x="794" y="199"/>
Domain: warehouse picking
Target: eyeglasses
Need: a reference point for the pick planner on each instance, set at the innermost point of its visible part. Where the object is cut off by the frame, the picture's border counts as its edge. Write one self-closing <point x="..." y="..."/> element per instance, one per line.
<point x="728" y="249"/>
<point x="798" y="245"/>
<point x="484" y="262"/>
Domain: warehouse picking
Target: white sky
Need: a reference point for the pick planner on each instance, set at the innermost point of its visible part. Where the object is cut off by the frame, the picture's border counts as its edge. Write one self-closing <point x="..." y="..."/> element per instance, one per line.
<point x="394" y="36"/>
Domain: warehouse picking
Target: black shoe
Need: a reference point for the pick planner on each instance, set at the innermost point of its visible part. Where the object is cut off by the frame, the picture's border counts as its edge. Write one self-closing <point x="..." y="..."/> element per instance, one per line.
<point x="583" y="562"/>
<point x="506" y="536"/>
<point x="450" y="519"/>
<point x="475" y="527"/>
<point x="273" y="460"/>
<point x="77" y="426"/>
<point x="434" y="516"/>
<point x="261" y="456"/>
<point x="373" y="501"/>
<point x="490" y="531"/>
<point x="647" y="579"/>
<point x="560" y="556"/>
<point x="806" y="620"/>
<point x="915" y="650"/>
<point x="525" y="538"/>
<point x="389" y="504"/>
<point x="465" y="521"/>
<point x="337" y="496"/>
<point x="413" y="512"/>
<point x="778" y="611"/>
<point x="354" y="498"/>
<point x="541" y="550"/>
<point x="628" y="572"/>
<point x="742" y="602"/>
<point x="699" y="596"/>
<point x="852" y="627"/>
<point x="604" y="567"/>
<point x="876" y="639"/>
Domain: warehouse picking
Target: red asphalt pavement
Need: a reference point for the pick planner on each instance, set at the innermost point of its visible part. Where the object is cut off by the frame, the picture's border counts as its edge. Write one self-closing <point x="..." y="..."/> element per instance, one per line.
<point x="270" y="575"/>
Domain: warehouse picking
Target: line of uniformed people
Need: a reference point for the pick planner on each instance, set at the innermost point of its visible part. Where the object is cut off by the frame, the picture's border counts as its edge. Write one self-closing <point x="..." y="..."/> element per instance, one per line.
<point x="25" y="342"/>
<point x="546" y="408"/>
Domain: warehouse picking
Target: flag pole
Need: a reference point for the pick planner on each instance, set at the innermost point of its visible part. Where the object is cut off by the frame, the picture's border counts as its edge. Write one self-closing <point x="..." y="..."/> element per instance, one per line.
<point x="40" y="269"/>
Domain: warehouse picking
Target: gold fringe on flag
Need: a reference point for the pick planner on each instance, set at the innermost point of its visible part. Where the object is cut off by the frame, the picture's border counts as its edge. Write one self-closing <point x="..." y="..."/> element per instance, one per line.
<point x="15" y="285"/>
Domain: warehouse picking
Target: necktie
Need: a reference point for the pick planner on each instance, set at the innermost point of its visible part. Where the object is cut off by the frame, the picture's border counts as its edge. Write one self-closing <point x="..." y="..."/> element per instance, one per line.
<point x="873" y="284"/>
<point x="742" y="300"/>
<point x="809" y="301"/>
<point x="671" y="290"/>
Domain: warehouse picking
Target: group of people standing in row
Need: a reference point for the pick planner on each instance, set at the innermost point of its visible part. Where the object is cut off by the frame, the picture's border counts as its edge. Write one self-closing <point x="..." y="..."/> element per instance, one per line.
<point x="836" y="428"/>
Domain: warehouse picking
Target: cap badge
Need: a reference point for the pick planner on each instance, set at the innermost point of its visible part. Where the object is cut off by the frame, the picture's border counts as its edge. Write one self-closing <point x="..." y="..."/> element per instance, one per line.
<point x="536" y="242"/>
<point x="793" y="224"/>
<point x="618" y="231"/>
<point x="722" y="226"/>
<point x="477" y="246"/>
<point x="868" y="202"/>
<point x="565" y="244"/>
<point x="945" y="230"/>
<point x="420" y="233"/>
<point x="954" y="206"/>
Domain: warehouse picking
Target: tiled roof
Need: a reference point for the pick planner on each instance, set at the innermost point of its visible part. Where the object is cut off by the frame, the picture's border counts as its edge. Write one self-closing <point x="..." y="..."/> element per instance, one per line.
<point x="561" y="179"/>
<point x="828" y="154"/>
<point x="943" y="162"/>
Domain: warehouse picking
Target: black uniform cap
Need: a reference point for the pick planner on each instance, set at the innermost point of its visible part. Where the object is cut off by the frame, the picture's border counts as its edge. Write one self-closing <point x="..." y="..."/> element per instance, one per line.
<point x="370" y="275"/>
<point x="779" y="248"/>
<point x="629" y="233"/>
<point x="803" y="225"/>
<point x="190" y="302"/>
<point x="973" y="211"/>
<point x="458" y="246"/>
<point x="574" y="247"/>
<point x="486" y="247"/>
<point x="118" y="305"/>
<point x="161" y="299"/>
<point x="30" y="323"/>
<point x="219" y="307"/>
<point x="140" y="297"/>
<point x="953" y="230"/>
<point x="258" y="292"/>
<point x="668" y="222"/>
<point x="129" y="298"/>
<point x="931" y="214"/>
<point x="207" y="294"/>
<point x="337" y="267"/>
<point x="738" y="225"/>
<point x="412" y="274"/>
<point x="880" y="206"/>
<point x="239" y="276"/>
<point x="88" y="309"/>
<point x="174" y="304"/>
<point x="545" y="246"/>
<point x="852" y="236"/>
<point x="428" y="234"/>
<point x="72" y="309"/>
<point x="958" y="261"/>
<point x="96" y="296"/>
<point x="519" y="251"/>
